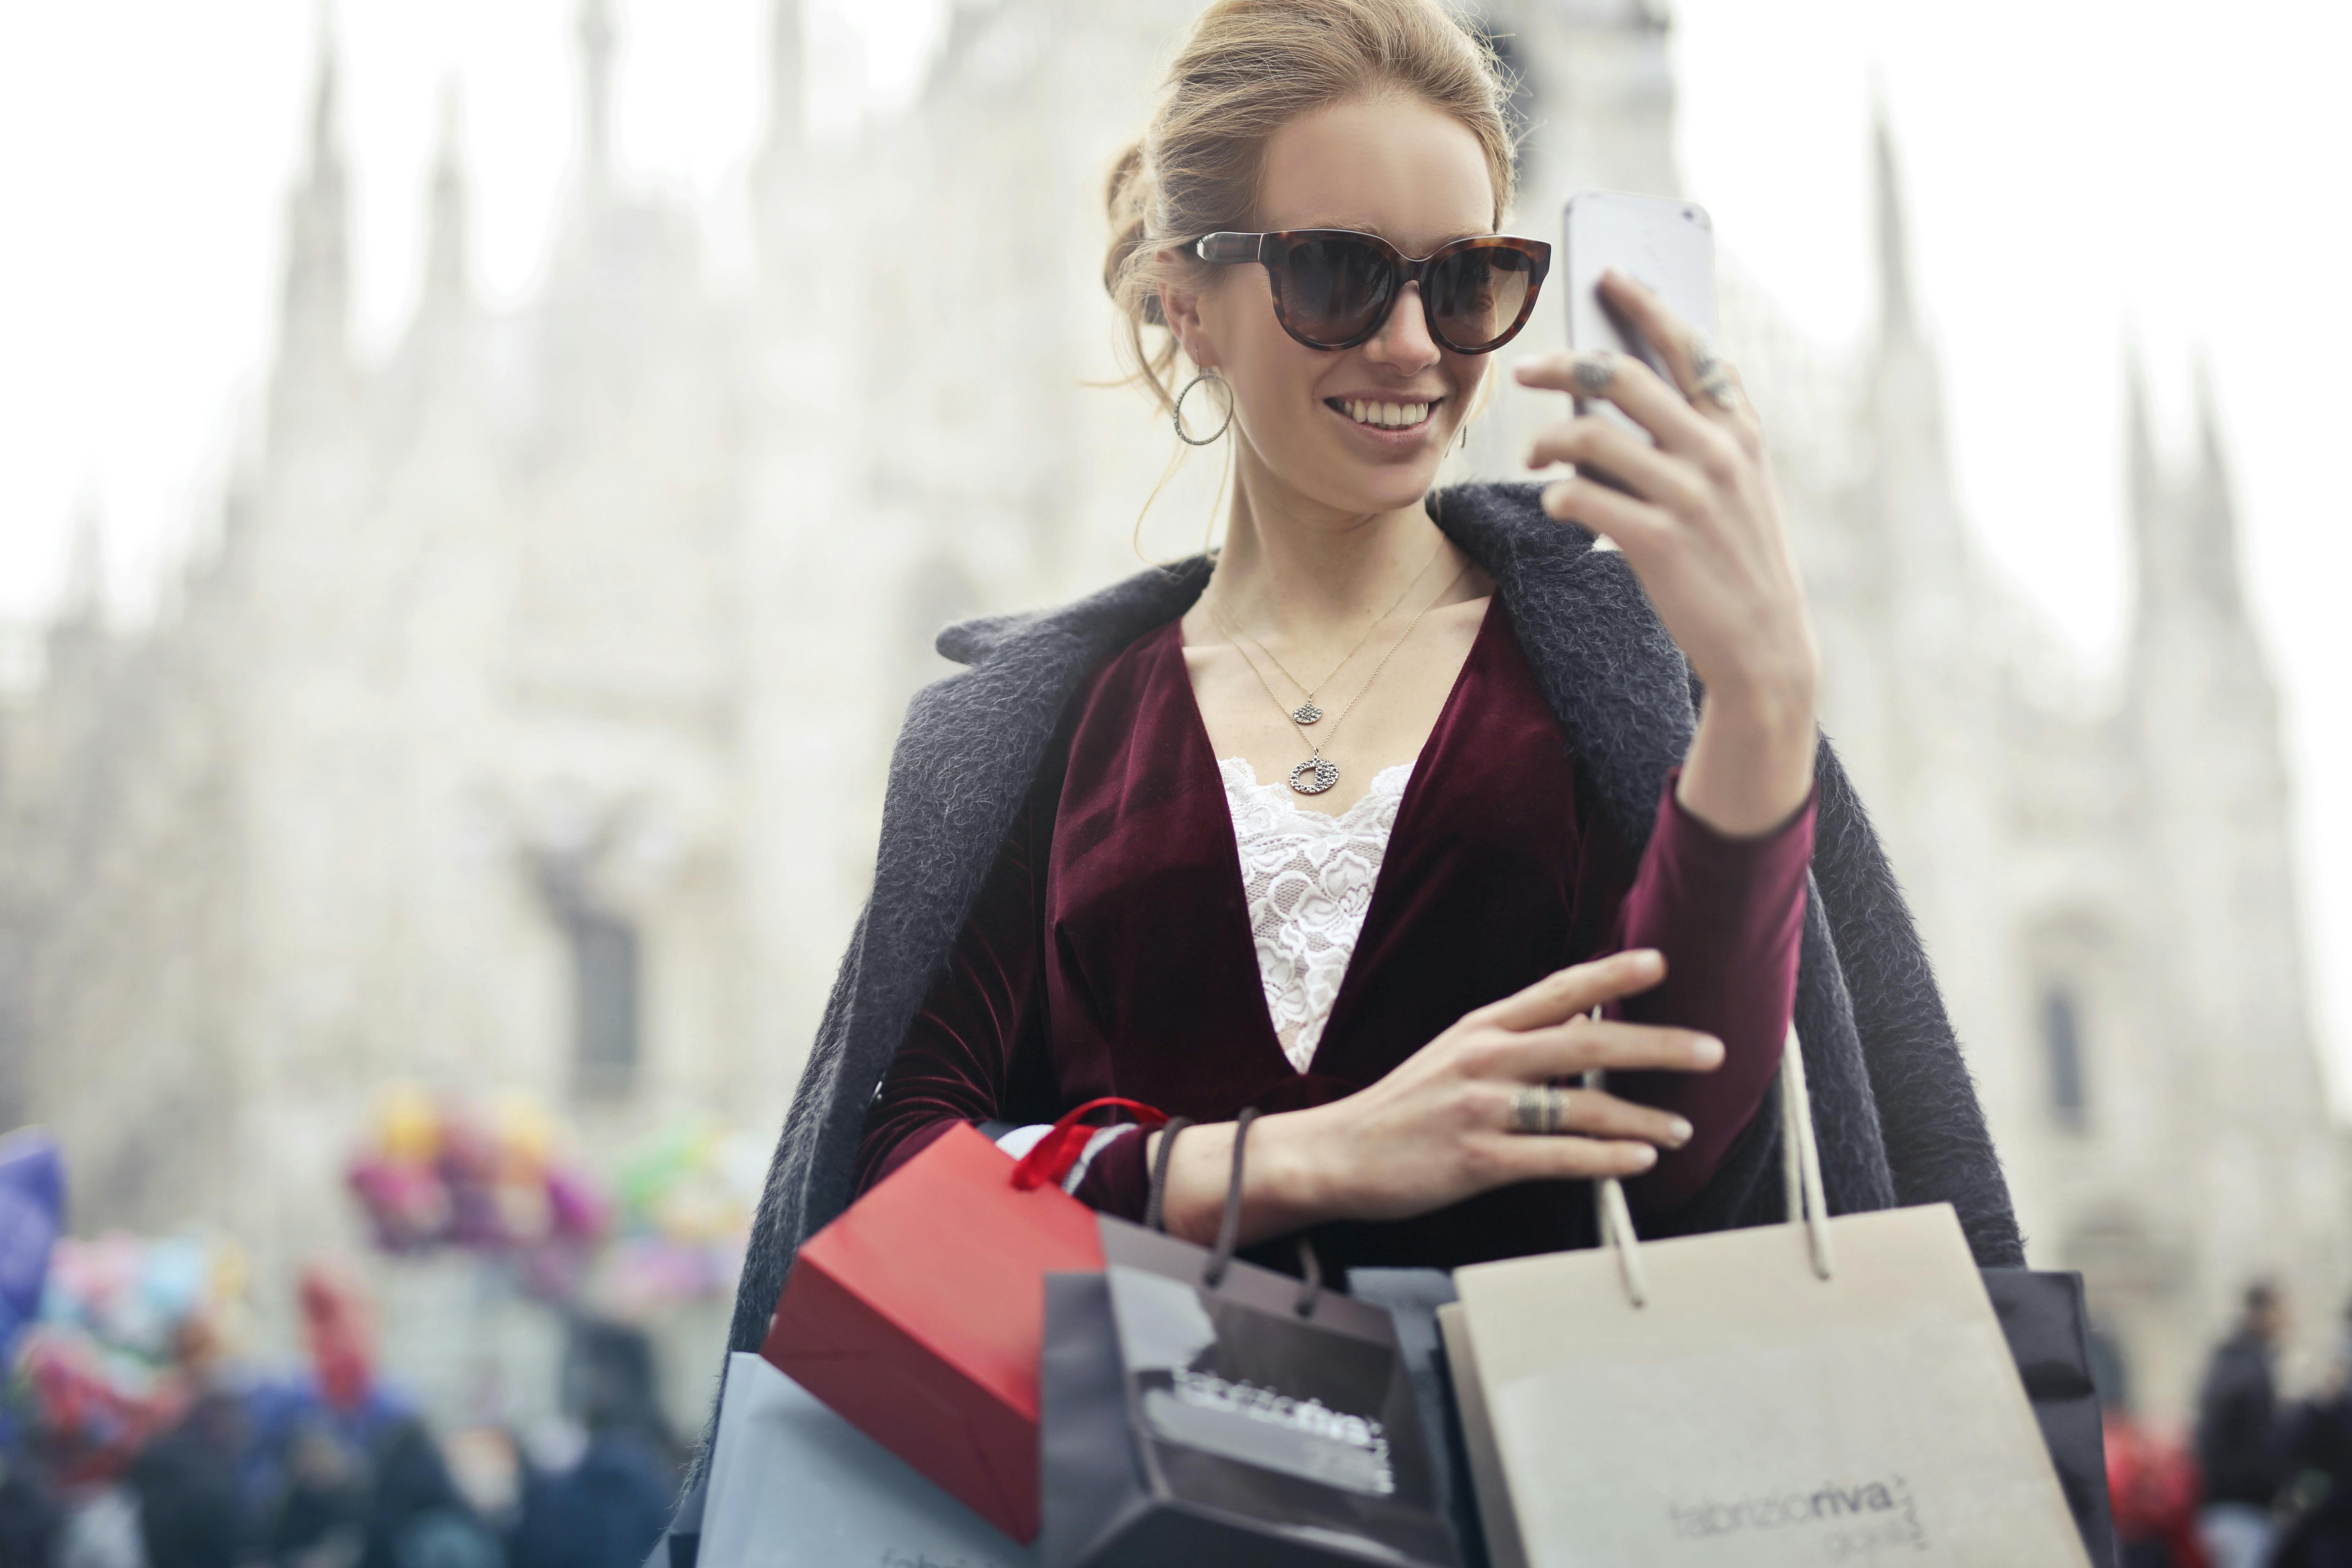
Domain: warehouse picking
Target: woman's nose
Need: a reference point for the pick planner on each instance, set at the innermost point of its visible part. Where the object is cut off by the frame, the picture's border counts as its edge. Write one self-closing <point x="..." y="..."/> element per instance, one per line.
<point x="1404" y="342"/>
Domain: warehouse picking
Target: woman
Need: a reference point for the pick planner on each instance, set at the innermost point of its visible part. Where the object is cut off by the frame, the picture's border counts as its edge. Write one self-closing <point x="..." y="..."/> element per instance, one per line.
<point x="1356" y="823"/>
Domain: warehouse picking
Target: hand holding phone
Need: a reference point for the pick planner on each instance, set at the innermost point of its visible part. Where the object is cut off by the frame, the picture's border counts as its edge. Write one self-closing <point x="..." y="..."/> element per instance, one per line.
<point x="1671" y="466"/>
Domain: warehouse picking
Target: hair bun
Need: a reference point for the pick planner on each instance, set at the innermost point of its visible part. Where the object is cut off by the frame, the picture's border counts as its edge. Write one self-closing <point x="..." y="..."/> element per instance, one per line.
<point x="1128" y="199"/>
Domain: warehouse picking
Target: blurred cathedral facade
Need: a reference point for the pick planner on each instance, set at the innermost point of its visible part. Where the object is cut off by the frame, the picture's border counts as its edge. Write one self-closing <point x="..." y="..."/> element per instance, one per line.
<point x="523" y="724"/>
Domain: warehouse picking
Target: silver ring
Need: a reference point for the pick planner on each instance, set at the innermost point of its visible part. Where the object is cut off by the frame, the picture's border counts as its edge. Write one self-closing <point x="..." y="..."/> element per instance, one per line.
<point x="1595" y="369"/>
<point x="1705" y="360"/>
<point x="1540" y="1110"/>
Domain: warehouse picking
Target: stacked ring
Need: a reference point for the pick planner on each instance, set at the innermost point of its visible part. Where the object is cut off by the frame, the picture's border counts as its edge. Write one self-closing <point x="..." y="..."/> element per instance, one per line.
<point x="1710" y="377"/>
<point x="1540" y="1110"/>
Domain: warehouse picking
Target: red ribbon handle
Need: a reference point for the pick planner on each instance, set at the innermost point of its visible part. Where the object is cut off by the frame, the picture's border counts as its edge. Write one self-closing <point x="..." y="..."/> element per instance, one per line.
<point x="1055" y="1153"/>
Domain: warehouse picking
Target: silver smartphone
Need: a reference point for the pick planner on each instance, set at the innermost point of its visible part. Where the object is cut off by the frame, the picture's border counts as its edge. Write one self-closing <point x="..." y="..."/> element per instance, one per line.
<point x="1665" y="242"/>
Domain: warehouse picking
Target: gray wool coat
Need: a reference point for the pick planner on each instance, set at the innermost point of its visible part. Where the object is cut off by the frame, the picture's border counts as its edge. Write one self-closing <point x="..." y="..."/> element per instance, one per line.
<point x="1893" y="1107"/>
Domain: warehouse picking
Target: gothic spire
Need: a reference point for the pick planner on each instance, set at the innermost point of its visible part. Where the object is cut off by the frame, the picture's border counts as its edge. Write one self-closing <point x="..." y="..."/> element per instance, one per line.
<point x="2142" y="478"/>
<point x="1896" y="313"/>
<point x="2184" y="523"/>
<point x="2211" y="505"/>
<point x="787" y="55"/>
<point x="448" y="241"/>
<point x="598" y="38"/>
<point x="84" y="599"/>
<point x="315" y="308"/>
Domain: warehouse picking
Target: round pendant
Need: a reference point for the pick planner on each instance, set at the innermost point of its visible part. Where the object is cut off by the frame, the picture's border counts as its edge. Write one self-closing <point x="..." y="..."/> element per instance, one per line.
<point x="1306" y="712"/>
<point x="1321" y="773"/>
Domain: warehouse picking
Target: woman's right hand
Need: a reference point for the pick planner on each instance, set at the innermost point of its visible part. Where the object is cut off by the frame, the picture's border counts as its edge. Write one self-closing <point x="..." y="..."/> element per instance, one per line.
<point x="1437" y="1130"/>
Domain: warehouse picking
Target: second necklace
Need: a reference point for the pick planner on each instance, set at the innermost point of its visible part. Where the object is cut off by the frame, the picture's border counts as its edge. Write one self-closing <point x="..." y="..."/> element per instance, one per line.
<point x="1306" y="713"/>
<point x="1320" y="772"/>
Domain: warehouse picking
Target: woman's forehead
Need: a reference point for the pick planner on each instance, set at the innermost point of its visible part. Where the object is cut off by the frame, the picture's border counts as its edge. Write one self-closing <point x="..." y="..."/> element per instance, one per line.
<point x="1392" y="166"/>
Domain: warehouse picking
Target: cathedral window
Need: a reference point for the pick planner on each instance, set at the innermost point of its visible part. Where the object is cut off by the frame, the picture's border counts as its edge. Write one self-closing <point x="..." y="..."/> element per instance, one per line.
<point x="605" y="1001"/>
<point x="2061" y="1045"/>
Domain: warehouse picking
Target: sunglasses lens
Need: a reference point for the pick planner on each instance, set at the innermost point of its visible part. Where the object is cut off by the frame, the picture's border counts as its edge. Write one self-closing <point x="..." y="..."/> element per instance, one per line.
<point x="1476" y="295"/>
<point x="1333" y="288"/>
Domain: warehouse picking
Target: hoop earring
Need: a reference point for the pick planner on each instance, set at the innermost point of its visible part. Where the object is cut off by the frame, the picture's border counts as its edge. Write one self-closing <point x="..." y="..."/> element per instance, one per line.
<point x="1177" y="415"/>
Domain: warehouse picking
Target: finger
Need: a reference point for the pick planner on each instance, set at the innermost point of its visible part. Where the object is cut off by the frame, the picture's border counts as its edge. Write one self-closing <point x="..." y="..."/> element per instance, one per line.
<point x="1513" y="1158"/>
<point x="1660" y="326"/>
<point x="1611" y="513"/>
<point x="1632" y="386"/>
<point x="1652" y="475"/>
<point x="1580" y="988"/>
<point x="1594" y="1113"/>
<point x="1558" y="1050"/>
<point x="1711" y="384"/>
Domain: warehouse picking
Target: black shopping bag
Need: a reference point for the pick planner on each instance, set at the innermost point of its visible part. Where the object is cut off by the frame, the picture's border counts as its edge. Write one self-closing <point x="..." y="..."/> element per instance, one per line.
<point x="2044" y="1320"/>
<point x="1198" y="1409"/>
<point x="1412" y="1297"/>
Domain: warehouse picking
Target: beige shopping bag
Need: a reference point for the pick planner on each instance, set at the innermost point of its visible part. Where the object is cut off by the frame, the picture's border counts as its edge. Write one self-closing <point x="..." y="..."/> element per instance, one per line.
<point x="1829" y="1390"/>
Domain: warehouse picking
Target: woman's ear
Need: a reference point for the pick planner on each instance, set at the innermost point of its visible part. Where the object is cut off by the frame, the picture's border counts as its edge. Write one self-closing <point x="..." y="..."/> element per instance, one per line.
<point x="1180" y="307"/>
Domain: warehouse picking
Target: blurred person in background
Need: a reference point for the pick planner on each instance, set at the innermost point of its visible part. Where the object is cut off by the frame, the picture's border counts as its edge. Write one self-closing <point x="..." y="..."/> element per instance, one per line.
<point x="2238" y="1435"/>
<point x="322" y="1511"/>
<point x="607" y="1509"/>
<point x="29" y="1517"/>
<point x="192" y="1511"/>
<point x="2317" y="1448"/>
<point x="2152" y="1484"/>
<point x="1355" y="821"/>
<point x="417" y="1517"/>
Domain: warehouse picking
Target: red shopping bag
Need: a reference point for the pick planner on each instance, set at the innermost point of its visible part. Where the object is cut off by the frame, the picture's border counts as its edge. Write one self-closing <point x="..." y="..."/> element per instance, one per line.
<point x="920" y="1314"/>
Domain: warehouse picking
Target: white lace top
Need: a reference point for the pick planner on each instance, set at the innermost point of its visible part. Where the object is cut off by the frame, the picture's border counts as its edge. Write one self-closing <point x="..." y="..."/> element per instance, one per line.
<point x="1309" y="877"/>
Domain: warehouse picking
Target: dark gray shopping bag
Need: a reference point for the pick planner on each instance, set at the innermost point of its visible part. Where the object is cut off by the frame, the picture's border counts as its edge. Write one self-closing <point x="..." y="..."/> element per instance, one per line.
<point x="1200" y="1409"/>
<point x="792" y="1485"/>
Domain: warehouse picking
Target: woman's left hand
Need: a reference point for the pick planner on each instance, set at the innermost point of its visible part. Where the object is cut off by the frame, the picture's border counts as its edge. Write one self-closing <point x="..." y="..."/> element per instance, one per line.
<point x="1702" y="529"/>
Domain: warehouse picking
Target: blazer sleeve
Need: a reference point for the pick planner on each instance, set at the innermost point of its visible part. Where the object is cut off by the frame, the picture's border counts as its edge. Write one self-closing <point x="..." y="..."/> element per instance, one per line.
<point x="1728" y="916"/>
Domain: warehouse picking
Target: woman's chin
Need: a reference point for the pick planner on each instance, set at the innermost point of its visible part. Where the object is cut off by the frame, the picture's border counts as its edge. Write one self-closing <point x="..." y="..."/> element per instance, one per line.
<point x="1388" y="487"/>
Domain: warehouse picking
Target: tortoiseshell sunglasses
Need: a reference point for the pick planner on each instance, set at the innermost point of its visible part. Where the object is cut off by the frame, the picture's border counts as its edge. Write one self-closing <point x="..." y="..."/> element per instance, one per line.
<point x="1334" y="287"/>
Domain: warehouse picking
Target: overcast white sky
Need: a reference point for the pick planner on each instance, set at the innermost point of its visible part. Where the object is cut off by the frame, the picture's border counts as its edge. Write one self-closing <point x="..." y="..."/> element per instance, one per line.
<point x="2077" y="170"/>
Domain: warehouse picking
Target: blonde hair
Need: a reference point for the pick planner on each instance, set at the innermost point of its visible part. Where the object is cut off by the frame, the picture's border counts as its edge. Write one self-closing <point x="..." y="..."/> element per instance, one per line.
<point x="1247" y="69"/>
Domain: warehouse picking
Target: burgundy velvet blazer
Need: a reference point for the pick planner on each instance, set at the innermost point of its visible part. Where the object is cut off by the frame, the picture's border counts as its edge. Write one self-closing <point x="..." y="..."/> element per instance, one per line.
<point x="1110" y="953"/>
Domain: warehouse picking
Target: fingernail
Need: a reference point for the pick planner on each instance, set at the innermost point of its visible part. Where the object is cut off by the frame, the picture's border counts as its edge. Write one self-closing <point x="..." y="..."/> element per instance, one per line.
<point x="1644" y="1156"/>
<point x="1708" y="1051"/>
<point x="1678" y="1132"/>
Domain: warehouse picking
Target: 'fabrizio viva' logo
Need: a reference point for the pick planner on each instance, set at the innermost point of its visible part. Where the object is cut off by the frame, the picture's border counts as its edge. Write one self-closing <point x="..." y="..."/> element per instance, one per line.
<point x="1860" y="1518"/>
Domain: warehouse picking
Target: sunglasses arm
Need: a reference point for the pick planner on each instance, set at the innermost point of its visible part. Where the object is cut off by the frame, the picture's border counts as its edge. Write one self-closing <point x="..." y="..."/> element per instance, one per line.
<point x="1225" y="248"/>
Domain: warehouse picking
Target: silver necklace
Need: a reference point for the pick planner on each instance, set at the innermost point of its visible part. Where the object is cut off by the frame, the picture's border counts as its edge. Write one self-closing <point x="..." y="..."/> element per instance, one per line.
<point x="1308" y="713"/>
<point x="1320" y="772"/>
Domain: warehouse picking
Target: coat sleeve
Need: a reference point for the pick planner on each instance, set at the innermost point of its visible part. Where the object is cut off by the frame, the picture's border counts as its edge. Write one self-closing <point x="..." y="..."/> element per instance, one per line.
<point x="1939" y="1147"/>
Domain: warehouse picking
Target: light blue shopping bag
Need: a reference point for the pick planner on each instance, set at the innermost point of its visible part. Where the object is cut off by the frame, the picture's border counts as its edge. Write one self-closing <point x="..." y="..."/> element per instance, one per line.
<point x="795" y="1486"/>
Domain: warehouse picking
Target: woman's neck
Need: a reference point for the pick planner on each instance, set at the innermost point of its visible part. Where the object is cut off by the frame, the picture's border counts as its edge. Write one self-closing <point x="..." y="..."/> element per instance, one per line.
<point x="1305" y="572"/>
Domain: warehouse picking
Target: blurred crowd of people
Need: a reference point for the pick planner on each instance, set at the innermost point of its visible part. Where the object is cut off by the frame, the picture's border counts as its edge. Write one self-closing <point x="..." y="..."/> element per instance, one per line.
<point x="331" y="1469"/>
<point x="2264" y="1482"/>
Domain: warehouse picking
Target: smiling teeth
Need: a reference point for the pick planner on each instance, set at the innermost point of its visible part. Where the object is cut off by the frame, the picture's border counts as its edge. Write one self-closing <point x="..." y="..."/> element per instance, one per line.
<point x="1392" y="415"/>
